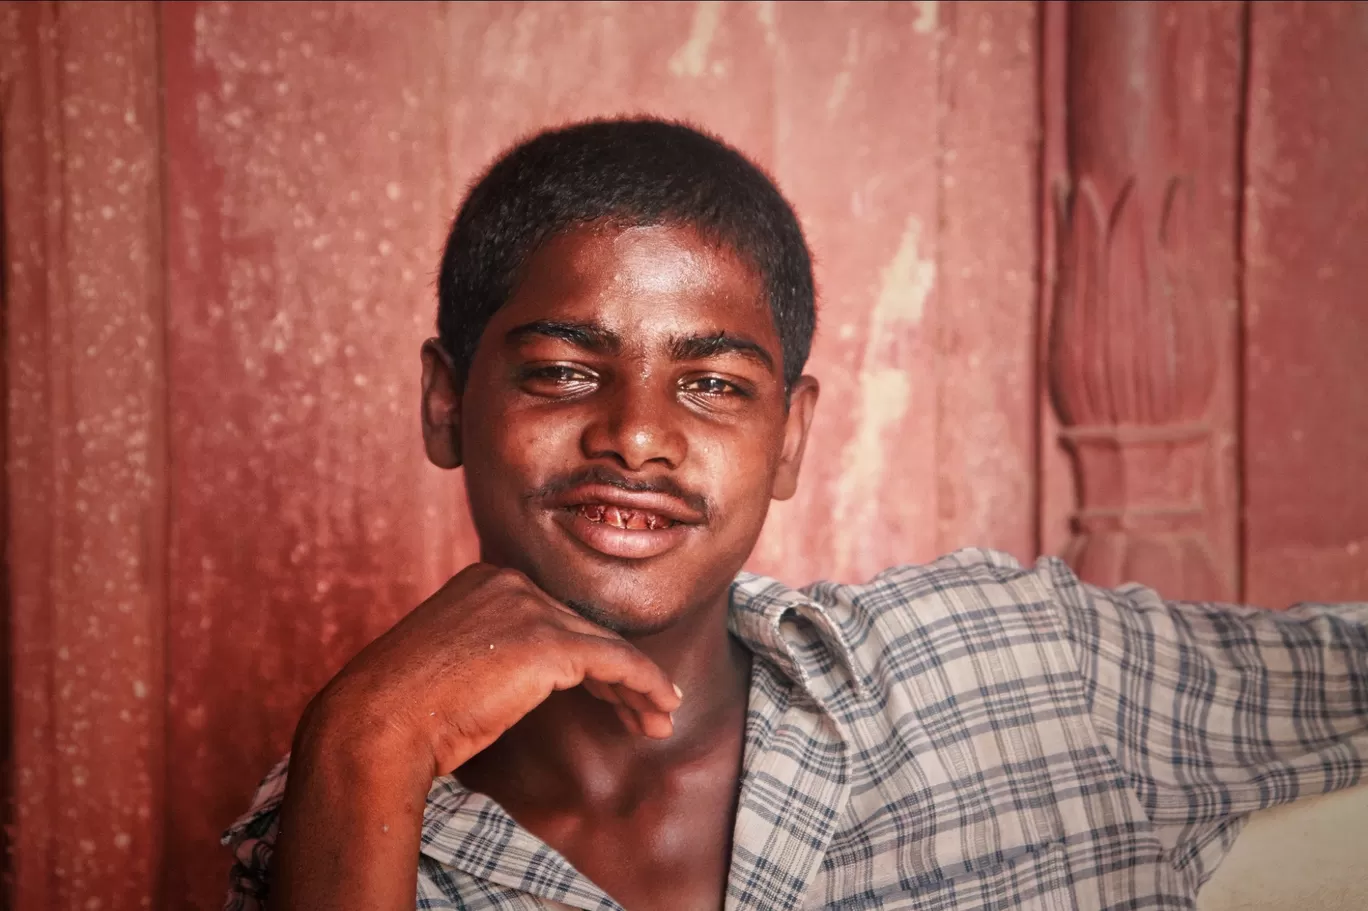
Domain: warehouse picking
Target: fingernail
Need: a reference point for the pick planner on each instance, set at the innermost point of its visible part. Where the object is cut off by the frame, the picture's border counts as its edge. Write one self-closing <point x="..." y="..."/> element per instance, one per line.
<point x="678" y="691"/>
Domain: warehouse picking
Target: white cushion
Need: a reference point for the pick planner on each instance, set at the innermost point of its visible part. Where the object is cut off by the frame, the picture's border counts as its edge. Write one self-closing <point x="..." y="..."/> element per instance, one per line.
<point x="1310" y="855"/>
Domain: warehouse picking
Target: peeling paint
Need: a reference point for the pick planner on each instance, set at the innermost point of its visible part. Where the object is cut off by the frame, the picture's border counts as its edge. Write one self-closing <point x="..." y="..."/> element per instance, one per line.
<point x="764" y="14"/>
<point x="841" y="84"/>
<point x="884" y="395"/>
<point x="906" y="281"/>
<point x="692" y="57"/>
<point x="927" y="13"/>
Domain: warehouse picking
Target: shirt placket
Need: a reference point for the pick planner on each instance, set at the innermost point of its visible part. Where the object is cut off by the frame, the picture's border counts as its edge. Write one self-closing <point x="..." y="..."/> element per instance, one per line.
<point x="793" y="791"/>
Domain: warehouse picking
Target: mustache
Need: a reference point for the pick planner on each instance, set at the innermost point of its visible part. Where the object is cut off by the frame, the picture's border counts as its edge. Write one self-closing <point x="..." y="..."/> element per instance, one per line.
<point x="598" y="474"/>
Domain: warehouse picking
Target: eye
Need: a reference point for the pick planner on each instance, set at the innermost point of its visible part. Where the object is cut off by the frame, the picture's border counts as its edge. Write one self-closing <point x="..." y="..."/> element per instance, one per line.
<point x="713" y="386"/>
<point x="558" y="373"/>
<point x="556" y="379"/>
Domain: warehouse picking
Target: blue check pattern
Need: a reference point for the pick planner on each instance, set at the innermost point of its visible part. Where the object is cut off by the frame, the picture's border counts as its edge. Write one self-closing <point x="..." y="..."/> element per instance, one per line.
<point x="969" y="734"/>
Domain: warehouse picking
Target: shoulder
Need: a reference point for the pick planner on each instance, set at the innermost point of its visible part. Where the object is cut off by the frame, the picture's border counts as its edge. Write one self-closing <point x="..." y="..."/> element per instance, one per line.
<point x="965" y="604"/>
<point x="966" y="581"/>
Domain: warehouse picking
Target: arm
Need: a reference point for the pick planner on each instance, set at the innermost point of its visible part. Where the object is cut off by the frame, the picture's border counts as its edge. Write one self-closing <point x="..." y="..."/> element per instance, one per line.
<point x="1215" y="710"/>
<point x="440" y="686"/>
<point x="352" y="817"/>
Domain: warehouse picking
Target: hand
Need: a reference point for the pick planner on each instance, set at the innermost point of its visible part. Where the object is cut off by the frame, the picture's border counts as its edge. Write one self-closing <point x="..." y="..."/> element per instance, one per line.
<point x="465" y="665"/>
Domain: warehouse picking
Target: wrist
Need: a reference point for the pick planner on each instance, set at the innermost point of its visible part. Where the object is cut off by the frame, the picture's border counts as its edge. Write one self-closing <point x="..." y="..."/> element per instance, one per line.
<point x="361" y="741"/>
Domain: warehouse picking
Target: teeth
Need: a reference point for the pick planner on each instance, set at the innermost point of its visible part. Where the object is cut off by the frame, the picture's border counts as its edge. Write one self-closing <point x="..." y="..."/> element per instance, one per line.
<point x="636" y="520"/>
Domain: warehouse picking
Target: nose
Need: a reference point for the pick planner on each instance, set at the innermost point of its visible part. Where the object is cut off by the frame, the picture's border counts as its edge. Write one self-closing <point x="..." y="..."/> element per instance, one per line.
<point x="635" y="426"/>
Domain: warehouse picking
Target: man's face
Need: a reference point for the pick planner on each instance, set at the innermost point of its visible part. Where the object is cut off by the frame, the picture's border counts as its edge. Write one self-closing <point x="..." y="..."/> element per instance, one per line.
<point x="624" y="424"/>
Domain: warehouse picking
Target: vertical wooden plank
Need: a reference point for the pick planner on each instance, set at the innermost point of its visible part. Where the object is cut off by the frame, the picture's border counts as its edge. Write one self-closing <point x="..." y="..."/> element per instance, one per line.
<point x="1306" y="314"/>
<point x="86" y="441"/>
<point x="856" y="149"/>
<point x="988" y="263"/>
<point x="308" y="195"/>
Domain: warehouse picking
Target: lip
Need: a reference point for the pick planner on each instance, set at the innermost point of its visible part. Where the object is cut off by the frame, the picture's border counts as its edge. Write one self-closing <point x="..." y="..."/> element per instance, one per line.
<point x="623" y="543"/>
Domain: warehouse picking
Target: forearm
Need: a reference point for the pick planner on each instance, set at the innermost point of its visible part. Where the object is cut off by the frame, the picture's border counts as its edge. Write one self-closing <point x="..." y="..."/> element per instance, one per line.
<point x="350" y="825"/>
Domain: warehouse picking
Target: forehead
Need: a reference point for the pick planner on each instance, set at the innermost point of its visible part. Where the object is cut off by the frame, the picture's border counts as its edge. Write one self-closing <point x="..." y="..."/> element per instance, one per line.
<point x="642" y="282"/>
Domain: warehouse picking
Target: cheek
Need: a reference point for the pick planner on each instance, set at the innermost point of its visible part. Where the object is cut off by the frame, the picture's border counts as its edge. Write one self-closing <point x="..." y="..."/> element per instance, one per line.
<point x="740" y="469"/>
<point x="520" y="449"/>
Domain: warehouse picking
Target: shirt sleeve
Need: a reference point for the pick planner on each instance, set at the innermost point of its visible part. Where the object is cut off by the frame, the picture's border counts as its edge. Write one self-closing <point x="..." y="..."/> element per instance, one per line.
<point x="1215" y="710"/>
<point x="252" y="839"/>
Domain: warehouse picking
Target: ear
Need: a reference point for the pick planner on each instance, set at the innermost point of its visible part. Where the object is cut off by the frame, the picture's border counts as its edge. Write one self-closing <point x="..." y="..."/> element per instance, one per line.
<point x="802" y="404"/>
<point x="441" y="407"/>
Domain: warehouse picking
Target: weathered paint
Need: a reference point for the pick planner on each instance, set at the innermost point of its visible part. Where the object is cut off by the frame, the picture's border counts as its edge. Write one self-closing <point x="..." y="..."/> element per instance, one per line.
<point x="307" y="193"/>
<point x="313" y="155"/>
<point x="989" y="253"/>
<point x="1306" y="311"/>
<point x="85" y="453"/>
<point x="880" y="173"/>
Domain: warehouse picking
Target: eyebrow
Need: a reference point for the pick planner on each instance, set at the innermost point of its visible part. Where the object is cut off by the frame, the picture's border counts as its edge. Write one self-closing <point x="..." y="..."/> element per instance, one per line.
<point x="589" y="336"/>
<point x="702" y="347"/>
<point x="596" y="338"/>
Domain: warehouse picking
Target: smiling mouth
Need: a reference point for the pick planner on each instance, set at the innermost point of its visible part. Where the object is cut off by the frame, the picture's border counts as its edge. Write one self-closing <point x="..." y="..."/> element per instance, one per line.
<point x="630" y="519"/>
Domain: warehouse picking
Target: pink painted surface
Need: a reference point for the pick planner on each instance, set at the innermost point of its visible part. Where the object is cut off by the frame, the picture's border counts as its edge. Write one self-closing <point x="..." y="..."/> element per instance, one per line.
<point x="1306" y="311"/>
<point x="85" y="453"/>
<point x="307" y="194"/>
<point x="989" y="255"/>
<point x="313" y="154"/>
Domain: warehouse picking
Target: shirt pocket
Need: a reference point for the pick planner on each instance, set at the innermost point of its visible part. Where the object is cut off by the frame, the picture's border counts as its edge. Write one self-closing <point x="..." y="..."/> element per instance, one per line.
<point x="1030" y="878"/>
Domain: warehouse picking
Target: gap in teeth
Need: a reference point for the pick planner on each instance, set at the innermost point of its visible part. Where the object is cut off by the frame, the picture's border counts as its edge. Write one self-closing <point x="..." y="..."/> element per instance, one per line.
<point x="633" y="519"/>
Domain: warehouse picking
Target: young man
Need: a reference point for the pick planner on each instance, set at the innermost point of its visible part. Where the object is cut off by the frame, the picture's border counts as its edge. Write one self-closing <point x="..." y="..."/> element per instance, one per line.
<point x="606" y="713"/>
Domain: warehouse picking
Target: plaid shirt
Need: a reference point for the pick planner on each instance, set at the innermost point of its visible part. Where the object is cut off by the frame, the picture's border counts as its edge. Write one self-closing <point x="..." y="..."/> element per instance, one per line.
<point x="968" y="734"/>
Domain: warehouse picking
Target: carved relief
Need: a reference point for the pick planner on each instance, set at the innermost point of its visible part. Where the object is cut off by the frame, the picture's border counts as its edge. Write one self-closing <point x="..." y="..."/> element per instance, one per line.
<point x="1132" y="368"/>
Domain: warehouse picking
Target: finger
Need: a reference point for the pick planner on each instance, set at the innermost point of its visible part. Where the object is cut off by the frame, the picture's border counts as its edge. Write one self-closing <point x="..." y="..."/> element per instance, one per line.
<point x="634" y="700"/>
<point x="602" y="691"/>
<point x="629" y="720"/>
<point x="656" y="725"/>
<point x="622" y="664"/>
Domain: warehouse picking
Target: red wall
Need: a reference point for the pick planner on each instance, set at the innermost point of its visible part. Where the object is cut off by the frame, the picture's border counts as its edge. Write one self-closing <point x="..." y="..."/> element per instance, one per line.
<point x="215" y="297"/>
<point x="1306" y="303"/>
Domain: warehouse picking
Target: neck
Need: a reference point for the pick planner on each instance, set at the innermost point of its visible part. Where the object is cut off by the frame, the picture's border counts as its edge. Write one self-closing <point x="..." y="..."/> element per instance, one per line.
<point x="574" y="748"/>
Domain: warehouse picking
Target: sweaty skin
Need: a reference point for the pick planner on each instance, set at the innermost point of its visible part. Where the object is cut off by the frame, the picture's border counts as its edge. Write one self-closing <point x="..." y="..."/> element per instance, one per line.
<point x="623" y="428"/>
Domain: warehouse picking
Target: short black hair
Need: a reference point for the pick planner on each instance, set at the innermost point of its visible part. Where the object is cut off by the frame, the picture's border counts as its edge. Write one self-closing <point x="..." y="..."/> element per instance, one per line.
<point x="638" y="171"/>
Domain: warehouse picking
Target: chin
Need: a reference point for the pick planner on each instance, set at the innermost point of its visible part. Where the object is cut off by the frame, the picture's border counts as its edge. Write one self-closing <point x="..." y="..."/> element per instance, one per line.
<point x="626" y="623"/>
<point x="630" y="604"/>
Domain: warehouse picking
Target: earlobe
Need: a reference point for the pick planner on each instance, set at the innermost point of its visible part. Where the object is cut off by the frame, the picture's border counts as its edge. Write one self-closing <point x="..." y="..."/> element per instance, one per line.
<point x="440" y="407"/>
<point x="802" y="404"/>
